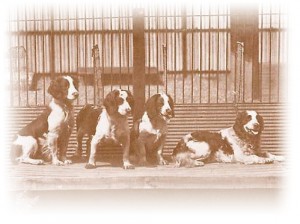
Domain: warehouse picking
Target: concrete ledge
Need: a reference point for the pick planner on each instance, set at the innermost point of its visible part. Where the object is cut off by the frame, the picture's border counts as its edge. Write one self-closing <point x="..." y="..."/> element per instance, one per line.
<point x="25" y="177"/>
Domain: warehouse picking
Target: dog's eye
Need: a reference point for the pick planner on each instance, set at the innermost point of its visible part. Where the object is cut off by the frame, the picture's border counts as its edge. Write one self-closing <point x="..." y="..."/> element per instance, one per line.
<point x="64" y="83"/>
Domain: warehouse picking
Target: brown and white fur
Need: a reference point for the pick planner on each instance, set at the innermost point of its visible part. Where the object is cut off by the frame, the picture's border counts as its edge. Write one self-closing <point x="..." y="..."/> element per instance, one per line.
<point x="239" y="143"/>
<point x="148" y="134"/>
<point x="46" y="138"/>
<point x="113" y="125"/>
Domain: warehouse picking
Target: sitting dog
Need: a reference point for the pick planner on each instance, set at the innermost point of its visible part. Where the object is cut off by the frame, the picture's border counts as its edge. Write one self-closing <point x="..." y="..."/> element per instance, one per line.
<point x="148" y="135"/>
<point x="46" y="138"/>
<point x="240" y="143"/>
<point x="86" y="123"/>
<point x="112" y="125"/>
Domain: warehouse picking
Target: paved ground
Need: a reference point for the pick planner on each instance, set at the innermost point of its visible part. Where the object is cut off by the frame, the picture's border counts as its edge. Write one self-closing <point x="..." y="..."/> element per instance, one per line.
<point x="106" y="176"/>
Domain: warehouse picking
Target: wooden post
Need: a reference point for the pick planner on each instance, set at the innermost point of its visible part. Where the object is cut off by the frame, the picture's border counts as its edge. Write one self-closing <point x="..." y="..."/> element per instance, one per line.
<point x="244" y="28"/>
<point x="138" y="62"/>
<point x="98" y="87"/>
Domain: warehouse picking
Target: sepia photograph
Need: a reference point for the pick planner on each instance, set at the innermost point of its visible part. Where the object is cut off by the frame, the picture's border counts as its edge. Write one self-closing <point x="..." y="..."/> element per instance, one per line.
<point x="184" y="104"/>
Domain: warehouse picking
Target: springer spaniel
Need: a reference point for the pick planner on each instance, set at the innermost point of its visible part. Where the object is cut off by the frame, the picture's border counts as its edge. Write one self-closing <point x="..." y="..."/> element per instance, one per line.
<point x="240" y="143"/>
<point x="112" y="124"/>
<point x="148" y="135"/>
<point x="46" y="138"/>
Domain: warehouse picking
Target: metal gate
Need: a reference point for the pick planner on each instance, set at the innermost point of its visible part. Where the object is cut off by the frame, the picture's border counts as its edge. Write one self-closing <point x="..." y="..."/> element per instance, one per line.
<point x="193" y="51"/>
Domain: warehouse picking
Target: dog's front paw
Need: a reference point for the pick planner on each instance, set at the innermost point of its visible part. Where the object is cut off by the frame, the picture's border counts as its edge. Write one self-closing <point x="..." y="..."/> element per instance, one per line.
<point x="67" y="162"/>
<point x="127" y="166"/>
<point x="269" y="160"/>
<point x="90" y="166"/>
<point x="177" y="164"/>
<point x="40" y="162"/>
<point x="57" y="162"/>
<point x="163" y="162"/>
<point x="279" y="158"/>
<point x="198" y="163"/>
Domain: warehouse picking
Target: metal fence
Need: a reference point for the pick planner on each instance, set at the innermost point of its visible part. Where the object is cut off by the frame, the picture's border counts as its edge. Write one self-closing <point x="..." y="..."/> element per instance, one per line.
<point x="190" y="52"/>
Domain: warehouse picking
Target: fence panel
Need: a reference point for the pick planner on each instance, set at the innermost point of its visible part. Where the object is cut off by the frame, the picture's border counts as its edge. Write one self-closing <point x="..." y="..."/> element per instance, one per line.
<point x="188" y="52"/>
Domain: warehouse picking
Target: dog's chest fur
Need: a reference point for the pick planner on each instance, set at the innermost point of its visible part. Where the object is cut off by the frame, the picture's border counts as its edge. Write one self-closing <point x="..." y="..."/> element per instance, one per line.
<point x="61" y="118"/>
<point x="238" y="145"/>
<point x="112" y="128"/>
<point x="153" y="130"/>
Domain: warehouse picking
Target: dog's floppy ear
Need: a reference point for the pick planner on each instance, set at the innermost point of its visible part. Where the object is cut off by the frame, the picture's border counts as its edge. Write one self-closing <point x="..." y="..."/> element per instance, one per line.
<point x="261" y="122"/>
<point x="56" y="89"/>
<point x="151" y="106"/>
<point x="130" y="99"/>
<point x="110" y="102"/>
<point x="171" y="103"/>
<point x="239" y="120"/>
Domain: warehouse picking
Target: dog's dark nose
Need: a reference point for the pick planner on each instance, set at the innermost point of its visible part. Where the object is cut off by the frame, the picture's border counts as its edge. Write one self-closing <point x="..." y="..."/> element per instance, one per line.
<point x="256" y="126"/>
<point x="169" y="111"/>
<point x="75" y="94"/>
<point x="128" y="110"/>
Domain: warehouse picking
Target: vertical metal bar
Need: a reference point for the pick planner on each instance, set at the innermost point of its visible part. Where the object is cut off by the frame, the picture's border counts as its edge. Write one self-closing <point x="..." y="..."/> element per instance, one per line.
<point x="52" y="45"/>
<point x="35" y="58"/>
<point x="85" y="53"/>
<point x="270" y="56"/>
<point x="111" y="49"/>
<point x="26" y="57"/>
<point x="96" y="96"/>
<point x="157" y="44"/>
<point x="11" y="62"/>
<point x="102" y="48"/>
<point x="218" y="53"/>
<point x="192" y="57"/>
<point x="279" y="47"/>
<point x="175" y="52"/>
<point x="77" y="40"/>
<point x="166" y="78"/>
<point x="120" y="48"/>
<point x="138" y="61"/>
<point x="209" y="50"/>
<point x="184" y="33"/>
<point x="227" y="44"/>
<point x="149" y="55"/>
<point x="243" y="70"/>
<point x="43" y="58"/>
<point x="128" y="43"/>
<point x="60" y="40"/>
<point x="18" y="59"/>
<point x="261" y="55"/>
<point x="235" y="68"/>
<point x="200" y="78"/>
<point x="254" y="50"/>
<point x="68" y="41"/>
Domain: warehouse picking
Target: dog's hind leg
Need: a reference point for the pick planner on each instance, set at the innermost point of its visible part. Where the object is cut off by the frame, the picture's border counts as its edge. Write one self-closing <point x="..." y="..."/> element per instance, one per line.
<point x="29" y="148"/>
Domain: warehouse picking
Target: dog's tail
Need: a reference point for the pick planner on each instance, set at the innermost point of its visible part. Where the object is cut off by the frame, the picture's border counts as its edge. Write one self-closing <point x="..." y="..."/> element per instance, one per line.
<point x="82" y="115"/>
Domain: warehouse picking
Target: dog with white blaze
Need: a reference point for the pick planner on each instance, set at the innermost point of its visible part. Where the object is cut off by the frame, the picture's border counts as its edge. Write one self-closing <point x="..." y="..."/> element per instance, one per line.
<point x="239" y="143"/>
<point x="110" y="125"/>
<point x="46" y="138"/>
<point x="148" y="134"/>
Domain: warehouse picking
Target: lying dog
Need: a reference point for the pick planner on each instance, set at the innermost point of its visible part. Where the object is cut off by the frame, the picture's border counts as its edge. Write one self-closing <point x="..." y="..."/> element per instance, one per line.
<point x="112" y="124"/>
<point x="46" y="138"/>
<point x="240" y="143"/>
<point x="148" y="134"/>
